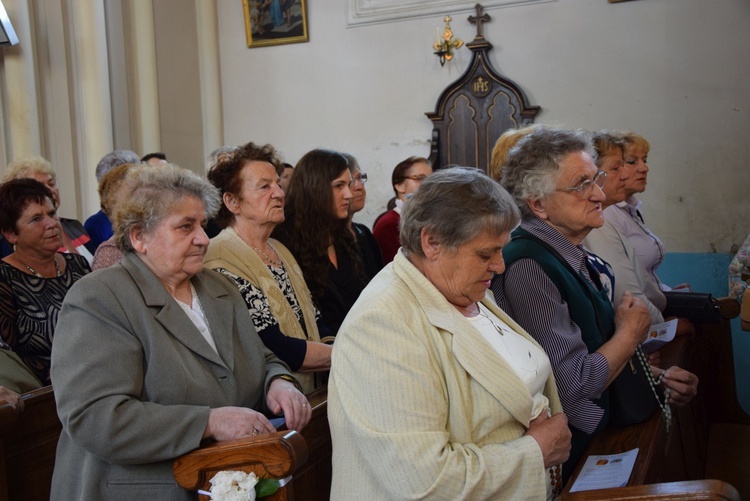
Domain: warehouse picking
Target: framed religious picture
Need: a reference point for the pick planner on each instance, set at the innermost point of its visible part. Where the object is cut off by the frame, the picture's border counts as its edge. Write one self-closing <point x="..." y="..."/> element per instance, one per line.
<point x="275" y="22"/>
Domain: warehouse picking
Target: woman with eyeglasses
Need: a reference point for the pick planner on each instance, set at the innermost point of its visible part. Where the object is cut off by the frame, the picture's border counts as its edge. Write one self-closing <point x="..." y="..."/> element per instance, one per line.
<point x="372" y="258"/>
<point x="551" y="289"/>
<point x="316" y="231"/>
<point x="406" y="178"/>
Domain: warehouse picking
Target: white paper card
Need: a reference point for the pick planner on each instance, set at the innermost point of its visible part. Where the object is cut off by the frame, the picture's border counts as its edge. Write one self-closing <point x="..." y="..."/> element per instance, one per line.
<point x="605" y="472"/>
<point x="659" y="335"/>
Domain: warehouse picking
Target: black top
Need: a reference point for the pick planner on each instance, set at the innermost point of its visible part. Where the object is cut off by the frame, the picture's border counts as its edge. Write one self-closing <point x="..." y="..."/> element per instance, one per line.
<point x="369" y="250"/>
<point x="343" y="285"/>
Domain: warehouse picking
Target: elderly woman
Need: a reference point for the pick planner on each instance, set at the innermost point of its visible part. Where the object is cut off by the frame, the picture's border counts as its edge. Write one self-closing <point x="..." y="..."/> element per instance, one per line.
<point x="315" y="231"/>
<point x="108" y="254"/>
<point x="434" y="391"/>
<point x="552" y="291"/>
<point x="35" y="278"/>
<point x="75" y="239"/>
<point x="372" y="259"/>
<point x="627" y="217"/>
<point x="265" y="272"/>
<point x="405" y="179"/>
<point x="156" y="354"/>
<point x="98" y="225"/>
<point x="609" y="244"/>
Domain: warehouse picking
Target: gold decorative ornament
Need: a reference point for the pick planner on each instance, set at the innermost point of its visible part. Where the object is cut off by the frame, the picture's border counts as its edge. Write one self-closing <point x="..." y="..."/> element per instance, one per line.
<point x="445" y="45"/>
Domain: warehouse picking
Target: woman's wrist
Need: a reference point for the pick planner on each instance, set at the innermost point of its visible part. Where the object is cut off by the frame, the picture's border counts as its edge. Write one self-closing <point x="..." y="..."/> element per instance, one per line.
<point x="285" y="377"/>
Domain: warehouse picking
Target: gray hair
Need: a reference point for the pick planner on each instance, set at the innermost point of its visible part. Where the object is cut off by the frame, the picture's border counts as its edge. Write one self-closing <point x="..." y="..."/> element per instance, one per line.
<point x="532" y="167"/>
<point x="115" y="159"/>
<point x="455" y="205"/>
<point x="218" y="154"/>
<point x="148" y="194"/>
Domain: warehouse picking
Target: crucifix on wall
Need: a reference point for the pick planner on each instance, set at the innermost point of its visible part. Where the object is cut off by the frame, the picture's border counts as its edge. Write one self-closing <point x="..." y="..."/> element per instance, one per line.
<point x="481" y="18"/>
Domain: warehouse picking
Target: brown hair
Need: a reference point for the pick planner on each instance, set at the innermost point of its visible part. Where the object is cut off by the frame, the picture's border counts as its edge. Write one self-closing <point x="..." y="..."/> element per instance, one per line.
<point x="399" y="171"/>
<point x="226" y="174"/>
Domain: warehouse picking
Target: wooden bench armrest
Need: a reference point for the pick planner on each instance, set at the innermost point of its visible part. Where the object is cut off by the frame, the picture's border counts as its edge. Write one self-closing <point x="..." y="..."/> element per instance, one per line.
<point x="275" y="455"/>
<point x="710" y="490"/>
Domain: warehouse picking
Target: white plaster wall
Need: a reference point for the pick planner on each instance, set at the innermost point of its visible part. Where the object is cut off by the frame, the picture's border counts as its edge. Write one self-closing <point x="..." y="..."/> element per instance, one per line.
<point x="676" y="71"/>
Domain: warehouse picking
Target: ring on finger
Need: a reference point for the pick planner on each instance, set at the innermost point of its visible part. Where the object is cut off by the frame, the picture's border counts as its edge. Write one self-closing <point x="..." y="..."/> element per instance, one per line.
<point x="255" y="432"/>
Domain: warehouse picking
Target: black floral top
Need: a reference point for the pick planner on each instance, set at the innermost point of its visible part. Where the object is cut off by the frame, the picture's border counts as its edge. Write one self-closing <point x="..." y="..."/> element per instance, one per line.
<point x="29" y="306"/>
<point x="290" y="350"/>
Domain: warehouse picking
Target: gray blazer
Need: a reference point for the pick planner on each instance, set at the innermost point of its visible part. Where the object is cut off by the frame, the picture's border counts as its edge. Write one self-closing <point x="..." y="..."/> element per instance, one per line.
<point x="134" y="379"/>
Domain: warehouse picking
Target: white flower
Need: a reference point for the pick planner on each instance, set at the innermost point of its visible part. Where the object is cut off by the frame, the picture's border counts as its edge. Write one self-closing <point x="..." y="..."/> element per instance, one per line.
<point x="233" y="486"/>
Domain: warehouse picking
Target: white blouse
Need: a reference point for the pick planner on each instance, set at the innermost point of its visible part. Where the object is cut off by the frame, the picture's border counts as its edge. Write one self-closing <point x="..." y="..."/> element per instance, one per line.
<point x="528" y="361"/>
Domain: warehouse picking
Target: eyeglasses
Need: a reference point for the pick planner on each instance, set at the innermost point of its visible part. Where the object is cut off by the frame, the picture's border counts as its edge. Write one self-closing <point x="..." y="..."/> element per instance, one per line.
<point x="418" y="178"/>
<point x="584" y="187"/>
<point x="361" y="177"/>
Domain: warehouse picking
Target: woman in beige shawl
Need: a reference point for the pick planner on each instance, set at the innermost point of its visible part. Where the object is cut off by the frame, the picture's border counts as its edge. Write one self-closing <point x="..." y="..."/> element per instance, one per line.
<point x="266" y="273"/>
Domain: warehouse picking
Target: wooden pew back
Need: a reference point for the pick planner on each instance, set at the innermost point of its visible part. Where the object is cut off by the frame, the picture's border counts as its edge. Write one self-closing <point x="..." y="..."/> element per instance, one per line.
<point x="28" y="442"/>
<point x="680" y="454"/>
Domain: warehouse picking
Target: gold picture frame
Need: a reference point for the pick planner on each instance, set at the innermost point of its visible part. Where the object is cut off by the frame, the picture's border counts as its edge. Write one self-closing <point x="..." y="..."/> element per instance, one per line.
<point x="275" y="22"/>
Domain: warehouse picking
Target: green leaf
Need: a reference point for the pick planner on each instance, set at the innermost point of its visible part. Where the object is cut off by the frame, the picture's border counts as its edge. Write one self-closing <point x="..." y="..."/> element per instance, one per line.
<point x="266" y="487"/>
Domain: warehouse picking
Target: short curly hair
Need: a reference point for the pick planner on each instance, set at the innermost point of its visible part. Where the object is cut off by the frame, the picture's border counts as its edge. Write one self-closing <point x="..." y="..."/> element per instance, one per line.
<point x="533" y="164"/>
<point x="15" y="196"/>
<point x="148" y="194"/>
<point x="226" y="173"/>
<point x="27" y="167"/>
<point x="455" y="205"/>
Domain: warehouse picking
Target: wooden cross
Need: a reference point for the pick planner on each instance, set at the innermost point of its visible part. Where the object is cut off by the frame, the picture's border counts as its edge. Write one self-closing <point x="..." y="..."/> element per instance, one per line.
<point x="481" y="18"/>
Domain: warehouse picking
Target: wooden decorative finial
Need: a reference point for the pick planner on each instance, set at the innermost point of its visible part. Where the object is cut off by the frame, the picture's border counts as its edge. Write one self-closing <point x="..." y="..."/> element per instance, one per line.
<point x="481" y="18"/>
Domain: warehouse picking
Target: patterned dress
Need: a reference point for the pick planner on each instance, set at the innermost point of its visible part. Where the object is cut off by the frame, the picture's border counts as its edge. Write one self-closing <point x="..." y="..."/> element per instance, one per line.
<point x="29" y="306"/>
<point x="290" y="350"/>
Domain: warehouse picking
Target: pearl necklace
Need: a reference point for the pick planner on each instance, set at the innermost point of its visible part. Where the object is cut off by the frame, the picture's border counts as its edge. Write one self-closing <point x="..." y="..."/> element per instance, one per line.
<point x="268" y="258"/>
<point x="58" y="272"/>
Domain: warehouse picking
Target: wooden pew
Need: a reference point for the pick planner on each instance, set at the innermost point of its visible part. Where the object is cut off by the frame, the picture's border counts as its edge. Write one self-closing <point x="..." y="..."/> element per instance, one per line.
<point x="313" y="480"/>
<point x="693" y="490"/>
<point x="266" y="455"/>
<point x="28" y="442"/>
<point x="276" y="455"/>
<point x="685" y="453"/>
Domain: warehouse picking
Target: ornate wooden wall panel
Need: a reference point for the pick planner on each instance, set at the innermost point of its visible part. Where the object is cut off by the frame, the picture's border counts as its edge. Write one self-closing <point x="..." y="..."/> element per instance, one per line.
<point x="473" y="111"/>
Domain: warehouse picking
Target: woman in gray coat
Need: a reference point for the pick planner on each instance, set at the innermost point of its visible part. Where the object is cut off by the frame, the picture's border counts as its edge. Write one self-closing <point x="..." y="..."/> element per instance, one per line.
<point x="156" y="354"/>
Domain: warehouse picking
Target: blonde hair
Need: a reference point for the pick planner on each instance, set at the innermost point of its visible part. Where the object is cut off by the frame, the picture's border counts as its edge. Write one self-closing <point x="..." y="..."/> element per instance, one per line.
<point x="504" y="143"/>
<point x="635" y="141"/>
<point x="110" y="183"/>
<point x="605" y="142"/>
<point x="27" y="167"/>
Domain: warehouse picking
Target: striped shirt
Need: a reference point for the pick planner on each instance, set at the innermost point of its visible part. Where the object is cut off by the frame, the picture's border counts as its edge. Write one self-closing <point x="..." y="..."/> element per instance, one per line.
<point x="528" y="295"/>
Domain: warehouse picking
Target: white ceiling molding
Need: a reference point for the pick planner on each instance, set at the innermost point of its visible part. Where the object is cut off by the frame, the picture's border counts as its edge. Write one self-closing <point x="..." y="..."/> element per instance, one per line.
<point x="362" y="12"/>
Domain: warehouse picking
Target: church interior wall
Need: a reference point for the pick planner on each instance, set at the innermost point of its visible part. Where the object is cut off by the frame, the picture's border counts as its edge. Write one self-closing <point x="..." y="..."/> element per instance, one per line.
<point x="675" y="71"/>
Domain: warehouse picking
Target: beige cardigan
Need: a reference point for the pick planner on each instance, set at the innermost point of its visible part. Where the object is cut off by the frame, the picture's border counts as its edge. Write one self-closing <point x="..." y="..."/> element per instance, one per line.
<point x="227" y="250"/>
<point x="421" y="406"/>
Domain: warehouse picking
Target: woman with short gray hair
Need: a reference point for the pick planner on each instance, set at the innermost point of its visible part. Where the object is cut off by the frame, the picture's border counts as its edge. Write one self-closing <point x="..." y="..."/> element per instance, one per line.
<point x="149" y="194"/>
<point x="484" y="206"/>
<point x="534" y="173"/>
<point x="156" y="354"/>
<point x="434" y="390"/>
